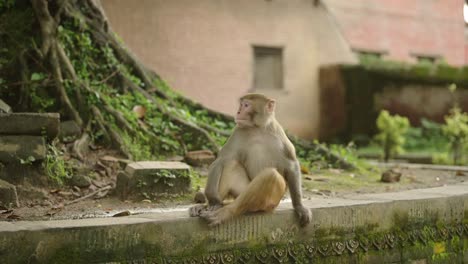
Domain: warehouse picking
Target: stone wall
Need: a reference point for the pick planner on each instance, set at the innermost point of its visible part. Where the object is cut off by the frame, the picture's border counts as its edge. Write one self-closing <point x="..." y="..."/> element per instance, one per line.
<point x="352" y="96"/>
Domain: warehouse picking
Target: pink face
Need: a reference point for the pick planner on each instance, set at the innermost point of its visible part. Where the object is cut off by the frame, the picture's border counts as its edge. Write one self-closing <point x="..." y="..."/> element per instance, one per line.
<point x="245" y="113"/>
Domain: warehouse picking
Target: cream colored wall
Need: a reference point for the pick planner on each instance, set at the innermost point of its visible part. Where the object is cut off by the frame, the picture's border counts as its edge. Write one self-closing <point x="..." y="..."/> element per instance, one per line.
<point x="203" y="49"/>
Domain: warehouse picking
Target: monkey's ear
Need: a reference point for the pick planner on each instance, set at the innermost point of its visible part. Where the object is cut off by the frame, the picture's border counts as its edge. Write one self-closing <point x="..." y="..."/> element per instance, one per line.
<point x="270" y="106"/>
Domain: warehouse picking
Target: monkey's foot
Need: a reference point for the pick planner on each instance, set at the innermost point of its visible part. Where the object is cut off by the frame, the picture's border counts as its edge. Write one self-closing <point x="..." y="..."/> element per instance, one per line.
<point x="219" y="216"/>
<point x="200" y="209"/>
<point x="196" y="210"/>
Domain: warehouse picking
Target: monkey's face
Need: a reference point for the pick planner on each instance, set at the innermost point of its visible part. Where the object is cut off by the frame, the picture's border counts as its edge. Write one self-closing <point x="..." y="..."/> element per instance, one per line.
<point x="245" y="114"/>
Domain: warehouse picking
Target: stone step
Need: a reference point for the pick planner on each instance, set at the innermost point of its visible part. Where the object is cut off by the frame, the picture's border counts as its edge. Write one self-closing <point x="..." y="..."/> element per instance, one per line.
<point x="8" y="194"/>
<point x="150" y="179"/>
<point x="415" y="226"/>
<point x="34" y="124"/>
<point x="26" y="149"/>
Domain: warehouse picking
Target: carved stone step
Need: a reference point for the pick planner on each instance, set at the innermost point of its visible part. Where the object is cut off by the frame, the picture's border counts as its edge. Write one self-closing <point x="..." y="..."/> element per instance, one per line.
<point x="149" y="179"/>
<point x="33" y="124"/>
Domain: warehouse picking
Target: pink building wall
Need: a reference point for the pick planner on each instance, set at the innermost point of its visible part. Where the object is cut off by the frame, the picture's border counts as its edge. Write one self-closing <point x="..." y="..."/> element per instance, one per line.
<point x="404" y="27"/>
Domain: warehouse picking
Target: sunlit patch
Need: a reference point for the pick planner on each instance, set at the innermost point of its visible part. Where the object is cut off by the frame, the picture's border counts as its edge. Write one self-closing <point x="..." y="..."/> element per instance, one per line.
<point x="465" y="12"/>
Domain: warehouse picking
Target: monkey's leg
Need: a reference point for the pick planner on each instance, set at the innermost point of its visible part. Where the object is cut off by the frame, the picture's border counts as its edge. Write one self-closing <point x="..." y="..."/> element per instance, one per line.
<point x="262" y="194"/>
<point x="234" y="180"/>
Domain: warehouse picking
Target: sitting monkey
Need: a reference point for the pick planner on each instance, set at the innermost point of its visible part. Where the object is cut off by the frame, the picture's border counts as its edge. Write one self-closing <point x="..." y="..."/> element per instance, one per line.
<point x="255" y="166"/>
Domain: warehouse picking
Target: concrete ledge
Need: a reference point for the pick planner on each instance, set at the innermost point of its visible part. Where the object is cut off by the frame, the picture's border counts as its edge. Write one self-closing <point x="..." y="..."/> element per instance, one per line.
<point x="33" y="124"/>
<point x="416" y="225"/>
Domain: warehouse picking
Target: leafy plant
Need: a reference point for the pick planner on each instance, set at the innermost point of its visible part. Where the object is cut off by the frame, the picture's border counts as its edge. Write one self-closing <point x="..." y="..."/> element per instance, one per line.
<point x="391" y="136"/>
<point x="55" y="166"/>
<point x="456" y="129"/>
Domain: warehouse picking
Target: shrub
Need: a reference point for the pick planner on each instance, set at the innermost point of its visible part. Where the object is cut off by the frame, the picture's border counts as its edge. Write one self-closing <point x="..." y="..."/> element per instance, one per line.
<point x="391" y="136"/>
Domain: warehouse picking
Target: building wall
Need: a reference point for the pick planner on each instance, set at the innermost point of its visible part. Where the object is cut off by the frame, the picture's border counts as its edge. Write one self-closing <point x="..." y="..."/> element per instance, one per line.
<point x="204" y="49"/>
<point x="403" y="27"/>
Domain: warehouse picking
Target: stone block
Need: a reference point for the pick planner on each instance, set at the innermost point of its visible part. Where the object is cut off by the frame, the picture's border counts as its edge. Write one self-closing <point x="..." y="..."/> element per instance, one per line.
<point x="17" y="173"/>
<point x="4" y="108"/>
<point x="26" y="149"/>
<point x="150" y="179"/>
<point x="34" y="124"/>
<point x="199" y="158"/>
<point x="8" y="195"/>
<point x="69" y="131"/>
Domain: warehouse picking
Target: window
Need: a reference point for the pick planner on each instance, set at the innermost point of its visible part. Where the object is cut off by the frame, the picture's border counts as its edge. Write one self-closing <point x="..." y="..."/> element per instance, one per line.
<point x="365" y="55"/>
<point x="268" y="68"/>
<point x="427" y="59"/>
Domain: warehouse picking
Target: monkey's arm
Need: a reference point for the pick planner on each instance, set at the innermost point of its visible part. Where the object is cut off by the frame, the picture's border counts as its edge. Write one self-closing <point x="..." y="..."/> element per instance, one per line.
<point x="293" y="178"/>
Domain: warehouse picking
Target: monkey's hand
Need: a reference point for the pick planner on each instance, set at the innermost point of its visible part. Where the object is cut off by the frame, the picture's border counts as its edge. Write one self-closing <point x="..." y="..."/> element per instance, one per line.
<point x="304" y="215"/>
<point x="200" y="209"/>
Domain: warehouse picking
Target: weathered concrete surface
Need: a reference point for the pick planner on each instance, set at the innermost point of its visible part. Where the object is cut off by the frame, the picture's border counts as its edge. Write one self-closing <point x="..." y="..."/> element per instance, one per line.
<point x="35" y="124"/>
<point x="417" y="225"/>
<point x="13" y="149"/>
<point x="8" y="194"/>
<point x="152" y="178"/>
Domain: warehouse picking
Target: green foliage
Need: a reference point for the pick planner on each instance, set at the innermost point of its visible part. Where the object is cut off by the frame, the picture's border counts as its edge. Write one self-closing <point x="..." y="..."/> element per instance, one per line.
<point x="456" y="129"/>
<point x="391" y="133"/>
<point x="429" y="137"/>
<point x="349" y="154"/>
<point x="55" y="166"/>
<point x="6" y="4"/>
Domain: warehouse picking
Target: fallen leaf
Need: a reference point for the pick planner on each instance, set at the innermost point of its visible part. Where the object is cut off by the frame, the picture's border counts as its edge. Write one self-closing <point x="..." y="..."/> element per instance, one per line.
<point x="139" y="111"/>
<point x="124" y="213"/>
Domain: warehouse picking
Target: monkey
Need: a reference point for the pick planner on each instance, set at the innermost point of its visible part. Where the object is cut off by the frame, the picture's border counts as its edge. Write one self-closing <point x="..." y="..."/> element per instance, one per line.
<point x="255" y="167"/>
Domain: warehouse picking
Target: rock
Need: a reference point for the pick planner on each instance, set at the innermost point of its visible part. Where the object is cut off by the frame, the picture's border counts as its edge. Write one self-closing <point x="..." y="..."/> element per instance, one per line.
<point x="27" y="192"/>
<point x="199" y="158"/>
<point x="199" y="197"/>
<point x="4" y="108"/>
<point x="69" y="131"/>
<point x="8" y="194"/>
<point x="17" y="173"/>
<point x="391" y="175"/>
<point x="33" y="124"/>
<point x="22" y="149"/>
<point x="80" y="180"/>
<point x="148" y="179"/>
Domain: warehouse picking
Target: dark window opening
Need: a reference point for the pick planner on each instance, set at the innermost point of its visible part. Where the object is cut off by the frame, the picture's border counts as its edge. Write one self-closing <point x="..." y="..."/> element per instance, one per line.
<point x="268" y="68"/>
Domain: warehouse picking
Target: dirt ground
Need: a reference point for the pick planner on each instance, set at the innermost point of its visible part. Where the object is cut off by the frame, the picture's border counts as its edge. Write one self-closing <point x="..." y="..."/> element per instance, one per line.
<point x="52" y="204"/>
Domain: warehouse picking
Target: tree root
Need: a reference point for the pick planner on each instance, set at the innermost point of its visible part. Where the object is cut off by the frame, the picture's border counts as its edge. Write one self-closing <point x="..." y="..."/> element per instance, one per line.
<point x="88" y="195"/>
